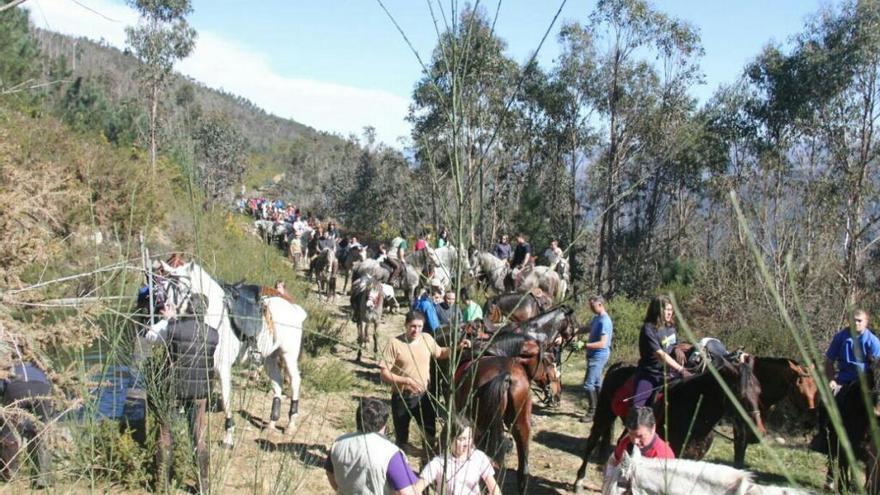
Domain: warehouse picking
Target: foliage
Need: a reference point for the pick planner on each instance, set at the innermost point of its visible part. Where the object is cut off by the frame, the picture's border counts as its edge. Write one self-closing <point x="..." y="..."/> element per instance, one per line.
<point x="627" y="316"/>
<point x="221" y="148"/>
<point x="18" y="51"/>
<point x="327" y="376"/>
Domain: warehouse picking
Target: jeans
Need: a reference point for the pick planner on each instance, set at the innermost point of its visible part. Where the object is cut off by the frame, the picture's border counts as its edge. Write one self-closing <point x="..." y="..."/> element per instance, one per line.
<point x="418" y="407"/>
<point x="593" y="376"/>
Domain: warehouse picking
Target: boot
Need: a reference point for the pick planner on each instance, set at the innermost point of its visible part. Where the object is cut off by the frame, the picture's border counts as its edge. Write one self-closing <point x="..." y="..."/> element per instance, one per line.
<point x="592" y="399"/>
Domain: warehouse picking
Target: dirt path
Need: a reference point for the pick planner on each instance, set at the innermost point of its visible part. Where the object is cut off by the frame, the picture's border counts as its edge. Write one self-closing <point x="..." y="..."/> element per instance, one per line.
<point x="271" y="462"/>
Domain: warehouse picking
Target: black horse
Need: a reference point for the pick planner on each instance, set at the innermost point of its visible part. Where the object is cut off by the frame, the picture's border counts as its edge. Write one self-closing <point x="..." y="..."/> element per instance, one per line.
<point x="687" y="416"/>
<point x="858" y="411"/>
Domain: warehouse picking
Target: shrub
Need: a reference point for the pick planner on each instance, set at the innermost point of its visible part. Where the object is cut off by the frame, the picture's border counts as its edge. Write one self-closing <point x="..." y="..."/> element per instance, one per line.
<point x="326" y="375"/>
<point x="626" y="315"/>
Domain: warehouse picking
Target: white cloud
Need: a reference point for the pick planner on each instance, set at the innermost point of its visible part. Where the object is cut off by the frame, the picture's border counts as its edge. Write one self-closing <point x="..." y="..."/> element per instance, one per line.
<point x="224" y="64"/>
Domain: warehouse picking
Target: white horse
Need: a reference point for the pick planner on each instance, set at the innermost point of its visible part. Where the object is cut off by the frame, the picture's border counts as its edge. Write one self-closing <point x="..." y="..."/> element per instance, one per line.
<point x="280" y="336"/>
<point x="442" y="262"/>
<point x="642" y="476"/>
<point x="490" y="269"/>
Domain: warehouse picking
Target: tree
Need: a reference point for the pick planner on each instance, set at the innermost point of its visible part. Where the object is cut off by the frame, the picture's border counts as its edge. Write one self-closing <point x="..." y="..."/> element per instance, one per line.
<point x="161" y="37"/>
<point x="220" y="150"/>
<point x="18" y="51"/>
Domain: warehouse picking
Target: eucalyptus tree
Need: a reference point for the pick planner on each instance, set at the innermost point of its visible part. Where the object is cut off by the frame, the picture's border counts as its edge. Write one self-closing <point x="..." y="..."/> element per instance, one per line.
<point x="161" y="37"/>
<point x="458" y="108"/>
<point x="220" y="155"/>
<point x="637" y="97"/>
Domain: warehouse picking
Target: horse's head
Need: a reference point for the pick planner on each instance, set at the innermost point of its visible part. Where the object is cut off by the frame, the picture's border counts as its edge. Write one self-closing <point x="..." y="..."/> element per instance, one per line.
<point x="571" y="328"/>
<point x="804" y="390"/>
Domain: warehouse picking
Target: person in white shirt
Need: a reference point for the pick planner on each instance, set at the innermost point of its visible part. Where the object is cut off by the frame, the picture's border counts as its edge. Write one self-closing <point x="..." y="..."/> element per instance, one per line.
<point x="460" y="471"/>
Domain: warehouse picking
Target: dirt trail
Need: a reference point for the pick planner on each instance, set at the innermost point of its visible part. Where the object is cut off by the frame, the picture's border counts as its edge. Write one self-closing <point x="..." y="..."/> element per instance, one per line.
<point x="271" y="462"/>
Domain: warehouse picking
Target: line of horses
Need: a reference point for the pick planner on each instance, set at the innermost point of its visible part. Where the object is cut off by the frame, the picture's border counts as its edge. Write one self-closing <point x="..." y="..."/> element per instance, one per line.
<point x="493" y="381"/>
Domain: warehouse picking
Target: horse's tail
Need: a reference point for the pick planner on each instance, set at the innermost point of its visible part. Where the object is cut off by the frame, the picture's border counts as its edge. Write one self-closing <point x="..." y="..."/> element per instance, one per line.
<point x="491" y="405"/>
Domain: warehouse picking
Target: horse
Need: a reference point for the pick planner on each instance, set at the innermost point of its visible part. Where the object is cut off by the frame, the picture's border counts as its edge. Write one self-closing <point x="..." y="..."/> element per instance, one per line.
<point x="637" y="474"/>
<point x="495" y="391"/>
<point x="366" y="309"/>
<point x="350" y="258"/>
<point x="410" y="279"/>
<point x="441" y="262"/>
<point x="323" y="268"/>
<point x="489" y="269"/>
<point x="854" y="408"/>
<point x="559" y="264"/>
<point x="514" y="306"/>
<point x="278" y="335"/>
<point x="264" y="229"/>
<point x="689" y="410"/>
<point x="779" y="378"/>
<point x="541" y="277"/>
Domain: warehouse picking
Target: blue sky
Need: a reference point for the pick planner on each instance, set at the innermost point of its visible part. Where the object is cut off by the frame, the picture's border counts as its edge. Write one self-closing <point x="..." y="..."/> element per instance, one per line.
<point x="338" y="65"/>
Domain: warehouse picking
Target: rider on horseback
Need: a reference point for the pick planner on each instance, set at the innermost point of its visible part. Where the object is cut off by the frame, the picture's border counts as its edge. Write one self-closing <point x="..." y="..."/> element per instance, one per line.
<point x="656" y="342"/>
<point x="852" y="348"/>
<point x="396" y="258"/>
<point x="522" y="259"/>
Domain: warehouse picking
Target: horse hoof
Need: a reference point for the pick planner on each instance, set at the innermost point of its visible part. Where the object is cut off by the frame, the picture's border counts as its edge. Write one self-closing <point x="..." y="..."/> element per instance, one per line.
<point x="289" y="430"/>
<point x="270" y="427"/>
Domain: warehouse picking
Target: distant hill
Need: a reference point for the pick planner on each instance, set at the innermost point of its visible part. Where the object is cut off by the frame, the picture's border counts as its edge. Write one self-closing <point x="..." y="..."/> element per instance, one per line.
<point x="305" y="159"/>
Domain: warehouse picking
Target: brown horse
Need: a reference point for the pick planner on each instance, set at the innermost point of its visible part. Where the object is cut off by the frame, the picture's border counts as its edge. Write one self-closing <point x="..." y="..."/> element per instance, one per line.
<point x="514" y="306"/>
<point x="495" y="391"/>
<point x="687" y="416"/>
<point x="780" y="378"/>
<point x="323" y="268"/>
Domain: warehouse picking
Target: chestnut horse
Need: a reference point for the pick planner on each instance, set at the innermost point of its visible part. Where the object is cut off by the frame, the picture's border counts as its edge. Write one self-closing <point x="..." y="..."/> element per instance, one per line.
<point x="689" y="412"/>
<point x="780" y="378"/>
<point x="496" y="392"/>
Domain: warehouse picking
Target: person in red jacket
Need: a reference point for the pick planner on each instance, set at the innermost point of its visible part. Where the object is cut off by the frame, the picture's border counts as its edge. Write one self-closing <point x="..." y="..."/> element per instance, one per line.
<point x="641" y="433"/>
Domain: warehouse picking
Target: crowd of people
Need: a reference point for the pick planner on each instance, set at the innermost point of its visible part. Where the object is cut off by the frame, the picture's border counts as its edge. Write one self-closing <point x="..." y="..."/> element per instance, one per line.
<point x="367" y="461"/>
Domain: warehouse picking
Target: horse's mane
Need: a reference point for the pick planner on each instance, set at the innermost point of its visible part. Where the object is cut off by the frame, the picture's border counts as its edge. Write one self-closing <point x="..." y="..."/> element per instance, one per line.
<point x="506" y="344"/>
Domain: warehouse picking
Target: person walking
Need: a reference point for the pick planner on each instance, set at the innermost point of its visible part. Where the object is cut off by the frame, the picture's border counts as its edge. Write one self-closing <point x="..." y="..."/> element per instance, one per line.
<point x="598" y="349"/>
<point x="366" y="462"/>
<point x="185" y="384"/>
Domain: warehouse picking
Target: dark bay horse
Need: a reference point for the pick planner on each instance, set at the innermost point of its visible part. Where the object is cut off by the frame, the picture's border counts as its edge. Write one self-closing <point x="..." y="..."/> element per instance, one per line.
<point x="366" y="309"/>
<point x="780" y="378"/>
<point x="348" y="259"/>
<point x="514" y="306"/>
<point x="496" y="392"/>
<point x="689" y="412"/>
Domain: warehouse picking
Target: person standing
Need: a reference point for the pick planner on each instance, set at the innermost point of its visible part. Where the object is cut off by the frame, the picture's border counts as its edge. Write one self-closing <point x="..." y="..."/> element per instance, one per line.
<point x="641" y="433"/>
<point x="366" y="461"/>
<point x="190" y="345"/>
<point x="598" y="348"/>
<point x="447" y="312"/>
<point x="27" y="393"/>
<point x="472" y="310"/>
<point x="428" y="306"/>
<point x="405" y="365"/>
<point x="461" y="470"/>
<point x="656" y="341"/>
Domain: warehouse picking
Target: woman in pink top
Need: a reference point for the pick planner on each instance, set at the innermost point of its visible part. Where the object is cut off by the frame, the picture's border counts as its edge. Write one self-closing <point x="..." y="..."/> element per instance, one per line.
<point x="459" y="472"/>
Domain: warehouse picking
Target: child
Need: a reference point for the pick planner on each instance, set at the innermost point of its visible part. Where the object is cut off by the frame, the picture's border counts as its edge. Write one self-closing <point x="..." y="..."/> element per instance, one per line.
<point x="460" y="471"/>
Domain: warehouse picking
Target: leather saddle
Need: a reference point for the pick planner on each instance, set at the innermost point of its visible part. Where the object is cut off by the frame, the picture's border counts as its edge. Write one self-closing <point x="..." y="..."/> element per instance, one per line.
<point x="245" y="308"/>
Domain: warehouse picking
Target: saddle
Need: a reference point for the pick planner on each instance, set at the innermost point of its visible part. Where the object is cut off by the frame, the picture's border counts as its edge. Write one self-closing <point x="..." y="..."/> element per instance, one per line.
<point x="245" y="308"/>
<point x="543" y="299"/>
<point x="622" y="400"/>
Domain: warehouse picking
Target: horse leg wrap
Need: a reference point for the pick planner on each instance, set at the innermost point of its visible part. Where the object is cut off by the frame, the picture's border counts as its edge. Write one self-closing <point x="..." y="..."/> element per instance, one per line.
<point x="229" y="423"/>
<point x="294" y="407"/>
<point x="276" y="409"/>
